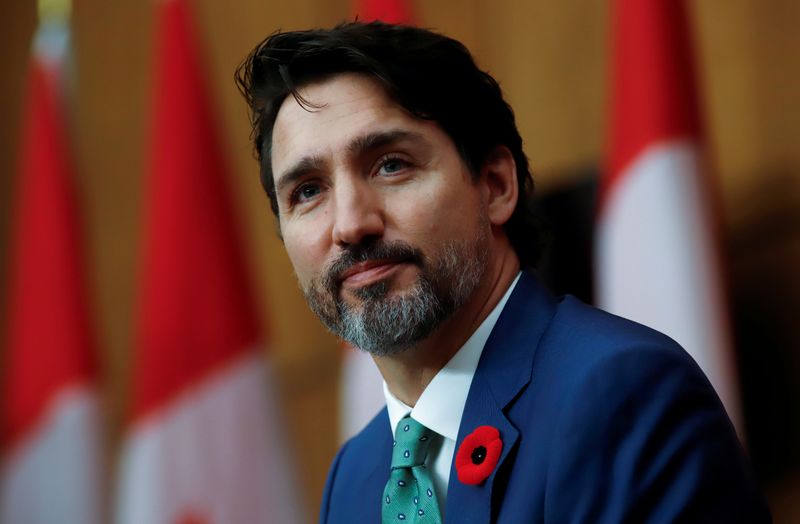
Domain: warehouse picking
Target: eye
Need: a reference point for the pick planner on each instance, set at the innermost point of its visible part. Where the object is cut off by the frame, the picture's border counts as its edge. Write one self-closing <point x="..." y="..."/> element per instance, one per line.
<point x="304" y="192"/>
<point x="392" y="165"/>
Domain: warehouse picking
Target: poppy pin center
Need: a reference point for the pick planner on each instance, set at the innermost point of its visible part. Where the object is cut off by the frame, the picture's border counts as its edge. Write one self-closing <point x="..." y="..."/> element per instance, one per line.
<point x="478" y="455"/>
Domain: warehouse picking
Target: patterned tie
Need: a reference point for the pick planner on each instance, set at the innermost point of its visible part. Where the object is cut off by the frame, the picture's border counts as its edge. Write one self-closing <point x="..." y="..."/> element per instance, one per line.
<point x="409" y="495"/>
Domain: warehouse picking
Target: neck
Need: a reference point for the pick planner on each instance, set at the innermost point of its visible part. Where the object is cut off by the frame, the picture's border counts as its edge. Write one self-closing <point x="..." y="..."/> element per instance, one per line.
<point x="408" y="374"/>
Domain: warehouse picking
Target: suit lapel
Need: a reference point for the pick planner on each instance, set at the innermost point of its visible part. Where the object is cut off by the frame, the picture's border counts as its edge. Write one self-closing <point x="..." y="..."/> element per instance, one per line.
<point x="473" y="504"/>
<point x="504" y="370"/>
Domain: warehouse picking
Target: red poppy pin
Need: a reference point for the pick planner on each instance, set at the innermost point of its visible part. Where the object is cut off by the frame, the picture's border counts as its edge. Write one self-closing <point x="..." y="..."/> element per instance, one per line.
<point x="478" y="455"/>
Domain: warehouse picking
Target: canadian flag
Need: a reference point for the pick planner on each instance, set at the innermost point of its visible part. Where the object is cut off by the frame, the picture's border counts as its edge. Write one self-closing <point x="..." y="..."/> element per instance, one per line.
<point x="51" y="436"/>
<point x="657" y="250"/>
<point x="205" y="443"/>
<point x="361" y="391"/>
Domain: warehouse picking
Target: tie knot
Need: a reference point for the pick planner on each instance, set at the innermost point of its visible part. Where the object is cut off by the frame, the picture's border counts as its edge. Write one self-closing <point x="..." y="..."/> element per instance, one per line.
<point x="411" y="441"/>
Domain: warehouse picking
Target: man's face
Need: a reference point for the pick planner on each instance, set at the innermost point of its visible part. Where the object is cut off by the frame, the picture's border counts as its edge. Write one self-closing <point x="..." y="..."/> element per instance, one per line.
<point x="385" y="227"/>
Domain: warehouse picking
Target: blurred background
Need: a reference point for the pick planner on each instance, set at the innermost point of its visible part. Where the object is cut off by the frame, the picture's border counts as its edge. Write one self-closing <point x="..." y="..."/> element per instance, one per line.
<point x="552" y="61"/>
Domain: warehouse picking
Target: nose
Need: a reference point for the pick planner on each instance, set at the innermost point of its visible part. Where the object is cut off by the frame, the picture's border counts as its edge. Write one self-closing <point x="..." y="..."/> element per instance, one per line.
<point x="358" y="213"/>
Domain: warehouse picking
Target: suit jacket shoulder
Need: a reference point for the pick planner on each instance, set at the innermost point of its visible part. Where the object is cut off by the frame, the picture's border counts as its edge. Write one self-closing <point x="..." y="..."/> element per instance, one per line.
<point x="604" y="420"/>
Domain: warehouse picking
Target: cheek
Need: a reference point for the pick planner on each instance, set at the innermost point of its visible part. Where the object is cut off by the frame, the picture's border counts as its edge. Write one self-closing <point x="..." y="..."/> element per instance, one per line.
<point x="416" y="214"/>
<point x="439" y="212"/>
<point x="306" y="251"/>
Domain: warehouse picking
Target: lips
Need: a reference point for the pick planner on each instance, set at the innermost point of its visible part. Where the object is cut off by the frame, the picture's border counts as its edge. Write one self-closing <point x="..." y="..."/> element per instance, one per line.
<point x="362" y="265"/>
<point x="369" y="271"/>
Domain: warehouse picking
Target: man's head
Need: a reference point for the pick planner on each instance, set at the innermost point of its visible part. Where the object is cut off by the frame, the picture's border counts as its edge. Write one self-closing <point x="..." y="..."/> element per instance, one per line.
<point x="430" y="75"/>
<point x="392" y="163"/>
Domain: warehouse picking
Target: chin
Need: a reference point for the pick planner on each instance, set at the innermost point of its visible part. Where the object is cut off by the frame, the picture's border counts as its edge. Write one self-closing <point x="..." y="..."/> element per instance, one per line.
<point x="374" y="291"/>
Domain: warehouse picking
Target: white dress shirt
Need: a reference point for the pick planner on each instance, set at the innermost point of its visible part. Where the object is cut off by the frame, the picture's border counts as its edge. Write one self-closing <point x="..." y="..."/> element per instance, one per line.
<point x="441" y="405"/>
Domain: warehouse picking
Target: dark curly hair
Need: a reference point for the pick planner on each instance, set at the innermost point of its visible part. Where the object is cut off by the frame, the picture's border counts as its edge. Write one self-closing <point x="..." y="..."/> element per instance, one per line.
<point x="430" y="75"/>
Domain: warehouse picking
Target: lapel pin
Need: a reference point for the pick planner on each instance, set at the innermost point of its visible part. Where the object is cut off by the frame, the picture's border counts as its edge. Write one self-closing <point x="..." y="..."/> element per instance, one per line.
<point x="478" y="455"/>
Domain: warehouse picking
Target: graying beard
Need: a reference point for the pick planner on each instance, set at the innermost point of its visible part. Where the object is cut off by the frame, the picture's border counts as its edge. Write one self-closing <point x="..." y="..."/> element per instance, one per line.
<point x="387" y="326"/>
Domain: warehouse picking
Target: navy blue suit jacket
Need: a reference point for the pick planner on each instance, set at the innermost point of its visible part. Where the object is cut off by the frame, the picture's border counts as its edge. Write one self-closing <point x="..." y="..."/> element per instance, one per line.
<point x="602" y="421"/>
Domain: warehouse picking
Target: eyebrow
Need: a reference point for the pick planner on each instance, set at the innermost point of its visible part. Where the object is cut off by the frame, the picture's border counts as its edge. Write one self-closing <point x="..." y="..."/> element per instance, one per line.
<point x="358" y="146"/>
<point x="372" y="141"/>
<point x="305" y="165"/>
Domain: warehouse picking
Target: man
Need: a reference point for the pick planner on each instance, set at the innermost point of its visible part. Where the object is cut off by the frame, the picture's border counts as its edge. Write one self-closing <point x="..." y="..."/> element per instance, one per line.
<point x="397" y="175"/>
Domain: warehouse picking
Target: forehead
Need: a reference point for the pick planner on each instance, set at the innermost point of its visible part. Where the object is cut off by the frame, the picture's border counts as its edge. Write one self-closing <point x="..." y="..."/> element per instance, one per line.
<point x="344" y="107"/>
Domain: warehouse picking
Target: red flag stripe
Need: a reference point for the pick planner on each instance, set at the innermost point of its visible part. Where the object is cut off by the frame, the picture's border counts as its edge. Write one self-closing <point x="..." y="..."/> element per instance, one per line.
<point x="196" y="310"/>
<point x="653" y="89"/>
<point x="389" y="11"/>
<point x="49" y="344"/>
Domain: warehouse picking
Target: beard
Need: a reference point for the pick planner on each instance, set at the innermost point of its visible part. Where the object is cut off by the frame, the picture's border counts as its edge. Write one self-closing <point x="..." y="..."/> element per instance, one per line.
<point x="385" y="325"/>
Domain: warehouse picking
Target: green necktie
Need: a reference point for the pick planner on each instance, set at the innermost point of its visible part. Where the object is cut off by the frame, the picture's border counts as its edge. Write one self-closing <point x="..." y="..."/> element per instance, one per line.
<point x="409" y="495"/>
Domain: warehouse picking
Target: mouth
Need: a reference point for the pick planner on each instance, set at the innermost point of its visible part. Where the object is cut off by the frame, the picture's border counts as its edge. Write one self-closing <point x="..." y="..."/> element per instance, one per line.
<point x="369" y="272"/>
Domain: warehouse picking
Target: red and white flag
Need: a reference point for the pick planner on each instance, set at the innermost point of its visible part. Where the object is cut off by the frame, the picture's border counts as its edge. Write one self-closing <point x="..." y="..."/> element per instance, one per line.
<point x="657" y="250"/>
<point x="51" y="436"/>
<point x="361" y="390"/>
<point x="204" y="443"/>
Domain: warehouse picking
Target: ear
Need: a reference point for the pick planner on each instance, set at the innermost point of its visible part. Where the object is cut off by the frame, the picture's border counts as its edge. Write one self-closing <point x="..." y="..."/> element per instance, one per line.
<point x="499" y="177"/>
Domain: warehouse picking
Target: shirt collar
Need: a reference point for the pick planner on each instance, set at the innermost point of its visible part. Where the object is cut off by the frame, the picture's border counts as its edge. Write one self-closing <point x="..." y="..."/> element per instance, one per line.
<point x="441" y="404"/>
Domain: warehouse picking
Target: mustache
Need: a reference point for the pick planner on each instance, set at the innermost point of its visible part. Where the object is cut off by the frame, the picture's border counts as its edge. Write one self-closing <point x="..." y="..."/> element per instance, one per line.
<point x="396" y="251"/>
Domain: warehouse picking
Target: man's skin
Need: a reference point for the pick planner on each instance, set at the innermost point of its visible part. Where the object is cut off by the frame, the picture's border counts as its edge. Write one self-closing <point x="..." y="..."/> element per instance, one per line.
<point x="359" y="168"/>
